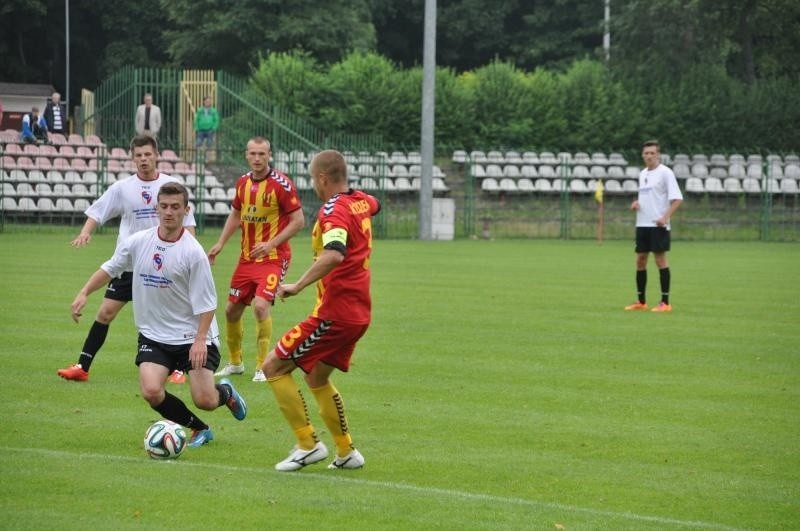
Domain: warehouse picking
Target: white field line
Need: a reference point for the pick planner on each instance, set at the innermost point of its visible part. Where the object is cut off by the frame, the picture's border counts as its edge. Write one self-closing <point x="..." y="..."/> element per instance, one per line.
<point x="346" y="477"/>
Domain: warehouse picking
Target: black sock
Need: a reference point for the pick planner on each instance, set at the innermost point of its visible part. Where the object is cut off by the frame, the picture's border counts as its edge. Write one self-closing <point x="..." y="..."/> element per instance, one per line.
<point x="665" y="278"/>
<point x="173" y="408"/>
<point x="95" y="339"/>
<point x="641" y="284"/>
<point x="224" y="393"/>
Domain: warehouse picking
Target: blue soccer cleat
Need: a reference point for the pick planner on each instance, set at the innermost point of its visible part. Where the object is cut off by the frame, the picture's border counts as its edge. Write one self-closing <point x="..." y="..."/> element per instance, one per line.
<point x="235" y="403"/>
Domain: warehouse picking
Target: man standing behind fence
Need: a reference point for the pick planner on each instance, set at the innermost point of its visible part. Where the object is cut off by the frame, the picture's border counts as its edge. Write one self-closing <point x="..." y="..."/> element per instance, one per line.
<point x="659" y="198"/>
<point x="206" y="122"/>
<point x="148" y="117"/>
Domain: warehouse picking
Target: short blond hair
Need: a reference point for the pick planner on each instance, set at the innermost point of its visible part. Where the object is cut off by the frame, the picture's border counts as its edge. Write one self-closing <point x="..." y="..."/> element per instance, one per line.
<point x="331" y="163"/>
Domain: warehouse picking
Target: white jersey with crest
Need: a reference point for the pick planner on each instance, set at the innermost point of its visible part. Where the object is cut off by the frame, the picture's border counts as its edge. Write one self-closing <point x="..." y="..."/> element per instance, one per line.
<point x="657" y="188"/>
<point x="134" y="201"/>
<point x="172" y="285"/>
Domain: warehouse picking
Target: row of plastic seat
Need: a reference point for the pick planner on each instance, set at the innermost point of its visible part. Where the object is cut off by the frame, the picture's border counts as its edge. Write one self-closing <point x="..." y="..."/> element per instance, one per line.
<point x="548" y="171"/>
<point x="735" y="186"/>
<point x="12" y="135"/>
<point x="721" y="161"/>
<point x="693" y="185"/>
<point x="90" y="177"/>
<point x="534" y="158"/>
<point x="43" y="189"/>
<point x="755" y="171"/>
<point x="68" y="207"/>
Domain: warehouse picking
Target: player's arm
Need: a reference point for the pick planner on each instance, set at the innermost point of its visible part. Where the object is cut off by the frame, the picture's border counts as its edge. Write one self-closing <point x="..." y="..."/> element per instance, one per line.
<point x="85" y="236"/>
<point x="232" y="225"/>
<point x="198" y="352"/>
<point x="324" y="264"/>
<point x="673" y="206"/>
<point x="98" y="279"/>
<point x="296" y="222"/>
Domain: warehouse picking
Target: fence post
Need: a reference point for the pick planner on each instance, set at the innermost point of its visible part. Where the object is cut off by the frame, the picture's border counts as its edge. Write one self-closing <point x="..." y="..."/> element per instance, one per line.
<point x="564" y="173"/>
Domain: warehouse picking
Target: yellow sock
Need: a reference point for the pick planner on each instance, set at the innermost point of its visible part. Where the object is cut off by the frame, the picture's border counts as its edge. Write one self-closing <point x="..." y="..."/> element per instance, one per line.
<point x="331" y="409"/>
<point x="293" y="406"/>
<point x="235" y="332"/>
<point x="264" y="337"/>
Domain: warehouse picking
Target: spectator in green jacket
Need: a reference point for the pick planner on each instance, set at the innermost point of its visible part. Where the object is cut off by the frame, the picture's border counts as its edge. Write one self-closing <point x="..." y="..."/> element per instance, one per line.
<point x="206" y="122"/>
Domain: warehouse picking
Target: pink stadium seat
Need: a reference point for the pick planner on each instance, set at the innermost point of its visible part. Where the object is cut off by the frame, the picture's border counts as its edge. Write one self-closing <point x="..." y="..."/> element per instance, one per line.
<point x="114" y="165"/>
<point x="31" y="149"/>
<point x="119" y="154"/>
<point x="47" y="150"/>
<point x="57" y="138"/>
<point x="60" y="163"/>
<point x="93" y="140"/>
<point x="165" y="166"/>
<point x="169" y="156"/>
<point x="94" y="164"/>
<point x="75" y="139"/>
<point x="182" y="168"/>
<point x="25" y="163"/>
<point x="14" y="149"/>
<point x="85" y="152"/>
<point x="79" y="165"/>
<point x="67" y="151"/>
<point x="9" y="162"/>
<point x="43" y="163"/>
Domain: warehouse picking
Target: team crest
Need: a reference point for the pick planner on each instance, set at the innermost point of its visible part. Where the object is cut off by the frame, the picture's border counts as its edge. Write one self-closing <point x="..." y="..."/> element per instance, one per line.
<point x="147" y="197"/>
<point x="158" y="261"/>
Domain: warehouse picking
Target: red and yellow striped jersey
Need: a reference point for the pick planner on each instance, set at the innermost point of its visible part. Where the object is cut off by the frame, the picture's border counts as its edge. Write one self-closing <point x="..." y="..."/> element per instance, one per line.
<point x="264" y="207"/>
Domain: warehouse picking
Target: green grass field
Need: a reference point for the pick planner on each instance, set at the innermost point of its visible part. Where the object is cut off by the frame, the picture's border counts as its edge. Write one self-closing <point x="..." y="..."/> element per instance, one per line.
<point x="501" y="386"/>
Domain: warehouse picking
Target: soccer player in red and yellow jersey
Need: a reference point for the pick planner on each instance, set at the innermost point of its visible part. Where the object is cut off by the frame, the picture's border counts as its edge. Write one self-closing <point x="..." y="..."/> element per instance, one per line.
<point x="268" y="212"/>
<point x="342" y="242"/>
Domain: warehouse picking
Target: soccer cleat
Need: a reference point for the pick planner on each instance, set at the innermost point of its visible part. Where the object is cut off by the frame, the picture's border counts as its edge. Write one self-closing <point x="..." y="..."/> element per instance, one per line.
<point x="75" y="373"/>
<point x="235" y="403"/>
<point x="259" y="376"/>
<point x="352" y="460"/>
<point x="636" y="306"/>
<point x="177" y="377"/>
<point x="298" y="458"/>
<point x="662" y="307"/>
<point x="200" y="437"/>
<point x="229" y="369"/>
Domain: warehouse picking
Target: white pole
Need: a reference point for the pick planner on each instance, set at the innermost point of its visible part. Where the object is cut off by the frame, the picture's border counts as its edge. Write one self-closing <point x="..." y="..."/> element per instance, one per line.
<point x="426" y="133"/>
<point x="607" y="30"/>
<point x="66" y="21"/>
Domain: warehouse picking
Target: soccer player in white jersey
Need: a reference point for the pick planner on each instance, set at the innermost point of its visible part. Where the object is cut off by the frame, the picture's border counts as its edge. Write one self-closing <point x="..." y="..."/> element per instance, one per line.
<point x="133" y="200"/>
<point x="174" y="301"/>
<point x="659" y="197"/>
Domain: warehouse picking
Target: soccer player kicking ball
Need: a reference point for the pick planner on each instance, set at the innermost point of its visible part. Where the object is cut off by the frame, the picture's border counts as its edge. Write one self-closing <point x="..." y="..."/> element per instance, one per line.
<point x="174" y="300"/>
<point x="341" y="241"/>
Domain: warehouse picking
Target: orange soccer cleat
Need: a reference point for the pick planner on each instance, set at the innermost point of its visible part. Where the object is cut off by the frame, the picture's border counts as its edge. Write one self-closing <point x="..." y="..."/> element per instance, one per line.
<point x="74" y="373"/>
<point x="662" y="307"/>
<point x="636" y="306"/>
<point x="177" y="377"/>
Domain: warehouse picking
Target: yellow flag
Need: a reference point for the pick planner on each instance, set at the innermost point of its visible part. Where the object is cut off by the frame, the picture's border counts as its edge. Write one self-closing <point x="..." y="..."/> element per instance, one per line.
<point x="598" y="191"/>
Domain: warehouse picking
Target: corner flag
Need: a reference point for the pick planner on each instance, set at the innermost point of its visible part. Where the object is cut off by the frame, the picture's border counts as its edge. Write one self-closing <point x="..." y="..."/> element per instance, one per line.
<point x="598" y="191"/>
<point x="598" y="196"/>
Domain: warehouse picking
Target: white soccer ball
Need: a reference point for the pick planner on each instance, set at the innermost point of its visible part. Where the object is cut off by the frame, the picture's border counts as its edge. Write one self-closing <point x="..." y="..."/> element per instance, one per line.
<point x="164" y="440"/>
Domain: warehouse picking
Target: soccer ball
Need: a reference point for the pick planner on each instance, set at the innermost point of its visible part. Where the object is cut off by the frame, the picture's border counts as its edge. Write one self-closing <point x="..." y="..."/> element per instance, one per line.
<point x="164" y="440"/>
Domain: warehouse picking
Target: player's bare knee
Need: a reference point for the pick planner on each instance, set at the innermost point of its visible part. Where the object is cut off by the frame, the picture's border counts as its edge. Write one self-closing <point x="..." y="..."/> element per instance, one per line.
<point x="207" y="402"/>
<point x="153" y="394"/>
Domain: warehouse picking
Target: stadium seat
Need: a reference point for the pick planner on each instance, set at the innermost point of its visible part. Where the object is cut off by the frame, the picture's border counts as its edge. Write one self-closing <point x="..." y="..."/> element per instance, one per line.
<point x="632" y="172"/>
<point x="629" y="185"/>
<point x="9" y="162"/>
<point x="699" y="170"/>
<point x="718" y="172"/>
<point x="732" y="185"/>
<point x="773" y="185"/>
<point x="681" y="158"/>
<point x="9" y="204"/>
<point x="402" y="184"/>
<point x="460" y="156"/>
<point x="494" y="170"/>
<point x="751" y="186"/>
<point x="25" y="163"/>
<point x="513" y="157"/>
<point x="546" y="157"/>
<point x="616" y="159"/>
<point x="714" y="185"/>
<point x="598" y="172"/>
<point x="387" y="184"/>
<point x="599" y="159"/>
<point x="85" y="152"/>
<point x="45" y="205"/>
<point x="43" y="190"/>
<point x="681" y="171"/>
<point x="529" y="171"/>
<point x="736" y="170"/>
<point x="75" y="139"/>
<point x="119" y="153"/>
<point x="63" y="205"/>
<point x="89" y="177"/>
<point x="613" y="185"/>
<point x="477" y="156"/>
<point x="775" y="170"/>
<point x="700" y="158"/>
<point x="25" y="190"/>
<point x="439" y="185"/>
<point x="62" y="190"/>
<point x="400" y="170"/>
<point x="43" y="163"/>
<point x="47" y="150"/>
<point x="694" y="185"/>
<point x="508" y="185"/>
<point x="414" y="170"/>
<point x="788" y="186"/>
<point x="564" y="157"/>
<point x="495" y="157"/>
<point x="36" y="176"/>
<point x="718" y="161"/>
<point x="18" y="176"/>
<point x="580" y="172"/>
<point x="525" y="185"/>
<point x="14" y="149"/>
<point x="511" y="171"/>
<point x="9" y="190"/>
<point x="736" y="158"/>
<point x="530" y="157"/>
<point x="368" y="183"/>
<point x="26" y="204"/>
<point x="490" y="185"/>
<point x="30" y="149"/>
<point x="754" y="171"/>
<point x="582" y="158"/>
<point x="93" y="140"/>
<point x="416" y="183"/>
<point x="792" y="171"/>
<point x="559" y="185"/>
<point x="80" y="204"/>
<point x="774" y="159"/>
<point x="222" y="208"/>
<point x="80" y="190"/>
<point x="414" y="157"/>
<point x="755" y="159"/>
<point x="55" y="176"/>
<point x="72" y="177"/>
<point x="547" y="172"/>
<point x="543" y="185"/>
<point x="616" y="172"/>
<point x="577" y="185"/>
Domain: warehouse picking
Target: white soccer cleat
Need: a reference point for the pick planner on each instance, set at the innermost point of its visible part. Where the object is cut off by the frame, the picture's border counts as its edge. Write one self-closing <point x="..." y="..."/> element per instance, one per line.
<point x="352" y="460"/>
<point x="299" y="458"/>
<point x="259" y="376"/>
<point x="229" y="369"/>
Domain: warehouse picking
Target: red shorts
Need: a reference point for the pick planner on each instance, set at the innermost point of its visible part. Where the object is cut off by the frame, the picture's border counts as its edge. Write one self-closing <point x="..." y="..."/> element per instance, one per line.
<point x="257" y="279"/>
<point x="315" y="340"/>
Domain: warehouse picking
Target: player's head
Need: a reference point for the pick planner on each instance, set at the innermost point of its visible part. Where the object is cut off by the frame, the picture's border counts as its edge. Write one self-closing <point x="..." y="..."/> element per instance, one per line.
<point x="651" y="152"/>
<point x="144" y="151"/>
<point x="328" y="171"/>
<point x="257" y="154"/>
<point x="172" y="205"/>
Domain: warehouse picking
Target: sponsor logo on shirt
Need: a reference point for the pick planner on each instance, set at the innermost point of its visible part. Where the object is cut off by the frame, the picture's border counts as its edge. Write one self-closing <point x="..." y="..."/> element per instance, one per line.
<point x="147" y="197"/>
<point x="158" y="261"/>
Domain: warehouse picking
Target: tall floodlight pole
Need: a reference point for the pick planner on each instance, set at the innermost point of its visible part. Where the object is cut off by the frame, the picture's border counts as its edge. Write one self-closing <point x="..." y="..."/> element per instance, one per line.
<point x="607" y="31"/>
<point x="66" y="22"/>
<point x="427" y="137"/>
